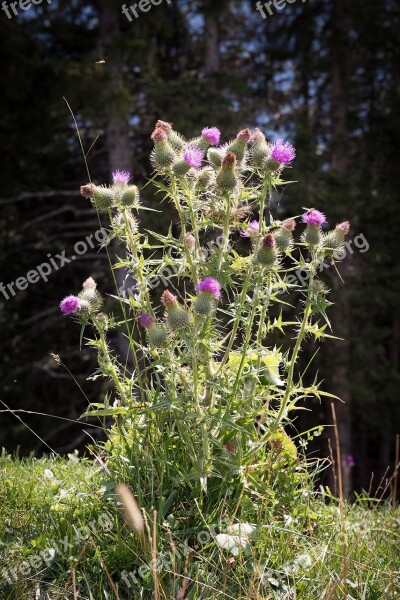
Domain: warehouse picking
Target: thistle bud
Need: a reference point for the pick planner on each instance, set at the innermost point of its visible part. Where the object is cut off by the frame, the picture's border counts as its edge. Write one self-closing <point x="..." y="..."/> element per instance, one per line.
<point x="206" y="177"/>
<point x="190" y="241"/>
<point x="103" y="198"/>
<point x="174" y="138"/>
<point x="156" y="333"/>
<point x="102" y="321"/>
<point x="90" y="295"/>
<point x="267" y="254"/>
<point x="87" y="190"/>
<point x="239" y="145"/>
<point x="227" y="178"/>
<point x="177" y="317"/>
<point x="215" y="156"/>
<point x="283" y="235"/>
<point x="89" y="284"/>
<point x="163" y="155"/>
<point x="334" y="240"/>
<point x="261" y="150"/>
<point x="130" y="197"/>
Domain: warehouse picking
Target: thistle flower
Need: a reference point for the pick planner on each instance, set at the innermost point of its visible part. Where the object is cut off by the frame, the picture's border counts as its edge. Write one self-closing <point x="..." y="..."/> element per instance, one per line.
<point x="193" y="157"/>
<point x="282" y="152"/>
<point x="314" y="217"/>
<point x="209" y="292"/>
<point x="209" y="286"/>
<point x="87" y="190"/>
<point x="70" y="305"/>
<point x="212" y="135"/>
<point x="130" y="196"/>
<point x="253" y="227"/>
<point x="121" y="176"/>
<point x="146" y="320"/>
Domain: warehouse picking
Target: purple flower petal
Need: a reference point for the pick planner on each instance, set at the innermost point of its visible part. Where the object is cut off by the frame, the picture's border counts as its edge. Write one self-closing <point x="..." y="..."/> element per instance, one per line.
<point x="212" y="135"/>
<point x="282" y="152"/>
<point x="314" y="217"/>
<point x="121" y="176"/>
<point x="210" y="286"/>
<point x="70" y="305"/>
<point x="193" y="157"/>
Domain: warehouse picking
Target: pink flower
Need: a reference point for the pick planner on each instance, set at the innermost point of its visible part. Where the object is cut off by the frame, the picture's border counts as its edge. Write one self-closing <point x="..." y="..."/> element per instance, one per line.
<point x="282" y="152"/>
<point x="193" y="157"/>
<point x="314" y="217"/>
<point x="212" y="135"/>
<point x="209" y="286"/>
<point x="121" y="176"/>
<point x="146" y="320"/>
<point x="70" y="305"/>
<point x="253" y="228"/>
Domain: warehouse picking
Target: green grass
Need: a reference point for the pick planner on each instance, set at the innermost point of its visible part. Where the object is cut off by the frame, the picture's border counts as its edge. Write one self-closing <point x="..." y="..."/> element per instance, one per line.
<point x="312" y="552"/>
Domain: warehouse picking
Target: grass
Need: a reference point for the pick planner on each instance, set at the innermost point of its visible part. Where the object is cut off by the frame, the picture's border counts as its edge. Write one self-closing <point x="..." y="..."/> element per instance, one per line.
<point x="314" y="551"/>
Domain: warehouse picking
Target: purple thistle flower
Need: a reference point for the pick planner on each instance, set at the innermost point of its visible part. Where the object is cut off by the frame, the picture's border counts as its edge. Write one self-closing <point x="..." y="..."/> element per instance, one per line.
<point x="146" y="320"/>
<point x="70" y="305"/>
<point x="209" y="286"/>
<point x="282" y="152"/>
<point x="253" y="229"/>
<point x="212" y="135"/>
<point x="314" y="217"/>
<point x="193" y="157"/>
<point x="121" y="176"/>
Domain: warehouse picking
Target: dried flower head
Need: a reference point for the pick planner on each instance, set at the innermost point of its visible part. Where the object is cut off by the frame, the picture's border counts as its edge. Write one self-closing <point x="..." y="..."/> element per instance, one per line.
<point x="190" y="240"/>
<point x="70" y="305"/>
<point x="282" y="152"/>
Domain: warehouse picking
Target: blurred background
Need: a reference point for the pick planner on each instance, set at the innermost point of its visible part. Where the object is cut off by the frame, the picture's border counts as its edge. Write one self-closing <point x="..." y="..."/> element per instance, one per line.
<point x="322" y="74"/>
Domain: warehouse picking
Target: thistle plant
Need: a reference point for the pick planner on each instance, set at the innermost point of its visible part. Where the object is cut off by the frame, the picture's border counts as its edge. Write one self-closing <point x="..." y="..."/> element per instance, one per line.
<point x="201" y="419"/>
